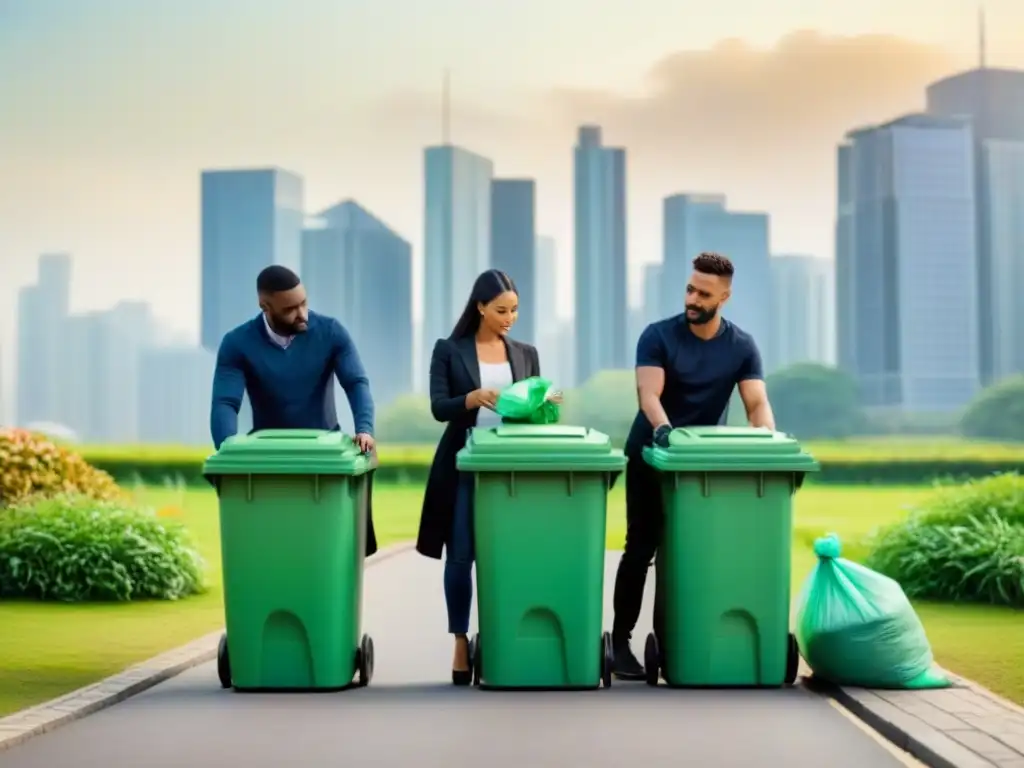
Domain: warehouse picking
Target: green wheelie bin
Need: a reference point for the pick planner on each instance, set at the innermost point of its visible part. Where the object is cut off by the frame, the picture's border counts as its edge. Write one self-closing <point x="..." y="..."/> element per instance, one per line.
<point x="293" y="539"/>
<point x="539" y="530"/>
<point x="723" y="570"/>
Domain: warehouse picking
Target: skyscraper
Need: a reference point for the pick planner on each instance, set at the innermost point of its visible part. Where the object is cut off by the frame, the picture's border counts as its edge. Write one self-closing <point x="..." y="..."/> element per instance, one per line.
<point x="804" y="325"/>
<point x="513" y="240"/>
<point x="175" y="385"/>
<point x="42" y="369"/>
<point x="251" y="218"/>
<point x="545" y="283"/>
<point x="651" y="295"/>
<point x="457" y="235"/>
<point x="906" y="256"/>
<point x="993" y="99"/>
<point x="104" y="348"/>
<point x="701" y="222"/>
<point x="600" y="240"/>
<point x="547" y="325"/>
<point x="359" y="270"/>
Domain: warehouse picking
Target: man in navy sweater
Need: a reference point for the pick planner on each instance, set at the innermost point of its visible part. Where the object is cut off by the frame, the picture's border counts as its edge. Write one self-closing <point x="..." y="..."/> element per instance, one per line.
<point x="285" y="358"/>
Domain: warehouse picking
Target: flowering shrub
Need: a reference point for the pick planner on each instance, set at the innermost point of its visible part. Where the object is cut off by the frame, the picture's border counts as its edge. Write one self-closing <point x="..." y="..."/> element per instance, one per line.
<point x="33" y="466"/>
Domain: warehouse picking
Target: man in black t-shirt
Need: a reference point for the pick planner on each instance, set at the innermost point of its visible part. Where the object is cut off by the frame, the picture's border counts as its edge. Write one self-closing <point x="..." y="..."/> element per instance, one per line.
<point x="686" y="369"/>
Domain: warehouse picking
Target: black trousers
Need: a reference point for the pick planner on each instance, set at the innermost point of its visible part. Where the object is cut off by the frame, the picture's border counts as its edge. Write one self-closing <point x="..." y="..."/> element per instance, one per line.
<point x="644" y="522"/>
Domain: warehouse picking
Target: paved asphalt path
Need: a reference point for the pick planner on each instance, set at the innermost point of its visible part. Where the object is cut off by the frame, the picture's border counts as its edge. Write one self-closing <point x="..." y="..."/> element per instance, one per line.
<point x="410" y="715"/>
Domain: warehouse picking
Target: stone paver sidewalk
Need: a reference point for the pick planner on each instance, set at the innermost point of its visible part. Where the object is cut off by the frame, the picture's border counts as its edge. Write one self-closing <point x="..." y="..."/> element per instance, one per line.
<point x="964" y="726"/>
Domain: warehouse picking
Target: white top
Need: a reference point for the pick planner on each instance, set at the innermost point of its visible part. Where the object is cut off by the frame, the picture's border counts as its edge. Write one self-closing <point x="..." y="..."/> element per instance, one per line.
<point x="281" y="341"/>
<point x="492" y="376"/>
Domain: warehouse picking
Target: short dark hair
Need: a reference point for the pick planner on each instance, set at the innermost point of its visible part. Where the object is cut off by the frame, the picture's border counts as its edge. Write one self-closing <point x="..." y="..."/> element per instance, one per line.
<point x="275" y="279"/>
<point x="711" y="263"/>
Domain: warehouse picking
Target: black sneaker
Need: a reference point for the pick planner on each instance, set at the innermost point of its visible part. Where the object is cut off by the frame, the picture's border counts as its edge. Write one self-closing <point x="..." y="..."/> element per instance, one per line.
<point x="626" y="666"/>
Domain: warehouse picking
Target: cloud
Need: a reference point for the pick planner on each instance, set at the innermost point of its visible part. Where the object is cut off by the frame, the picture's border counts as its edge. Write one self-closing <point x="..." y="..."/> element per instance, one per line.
<point x="759" y="124"/>
<point x="806" y="85"/>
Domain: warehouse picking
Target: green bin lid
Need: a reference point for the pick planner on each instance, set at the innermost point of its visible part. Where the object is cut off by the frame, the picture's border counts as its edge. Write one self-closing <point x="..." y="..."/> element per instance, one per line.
<point x="730" y="449"/>
<point x="289" y="452"/>
<point x="539" y="448"/>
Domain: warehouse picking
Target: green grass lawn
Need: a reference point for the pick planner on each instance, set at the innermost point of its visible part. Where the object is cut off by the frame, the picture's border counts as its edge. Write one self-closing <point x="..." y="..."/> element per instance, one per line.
<point x="47" y="650"/>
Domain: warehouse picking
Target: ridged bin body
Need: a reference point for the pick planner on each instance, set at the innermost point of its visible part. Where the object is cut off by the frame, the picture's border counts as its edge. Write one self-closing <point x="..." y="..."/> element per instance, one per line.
<point x="539" y="528"/>
<point x="293" y="537"/>
<point x="723" y="570"/>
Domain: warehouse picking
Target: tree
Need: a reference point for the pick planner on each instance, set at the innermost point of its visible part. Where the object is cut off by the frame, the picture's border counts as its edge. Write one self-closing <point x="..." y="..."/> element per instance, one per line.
<point x="997" y="413"/>
<point x="815" y="402"/>
<point x="408" y="420"/>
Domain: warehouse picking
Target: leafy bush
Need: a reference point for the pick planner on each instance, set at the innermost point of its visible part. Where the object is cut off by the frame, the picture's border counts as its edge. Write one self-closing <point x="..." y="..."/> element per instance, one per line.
<point x="957" y="504"/>
<point x="997" y="413"/>
<point x="815" y="401"/>
<point x="964" y="544"/>
<point x="73" y="548"/>
<point x="31" y="465"/>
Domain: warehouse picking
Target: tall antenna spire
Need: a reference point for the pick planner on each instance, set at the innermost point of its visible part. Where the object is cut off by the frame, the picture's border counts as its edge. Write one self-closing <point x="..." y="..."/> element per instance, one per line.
<point x="981" y="37"/>
<point x="446" y="109"/>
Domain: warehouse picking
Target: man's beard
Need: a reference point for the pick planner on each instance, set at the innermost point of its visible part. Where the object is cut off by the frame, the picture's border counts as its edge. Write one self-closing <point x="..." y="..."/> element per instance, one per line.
<point x="285" y="329"/>
<point x="704" y="316"/>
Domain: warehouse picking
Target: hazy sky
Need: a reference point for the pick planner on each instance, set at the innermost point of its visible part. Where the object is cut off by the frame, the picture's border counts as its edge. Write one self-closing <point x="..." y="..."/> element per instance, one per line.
<point x="109" y="109"/>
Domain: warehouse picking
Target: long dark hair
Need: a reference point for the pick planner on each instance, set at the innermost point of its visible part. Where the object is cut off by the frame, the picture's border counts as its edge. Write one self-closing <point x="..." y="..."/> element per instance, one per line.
<point x="488" y="286"/>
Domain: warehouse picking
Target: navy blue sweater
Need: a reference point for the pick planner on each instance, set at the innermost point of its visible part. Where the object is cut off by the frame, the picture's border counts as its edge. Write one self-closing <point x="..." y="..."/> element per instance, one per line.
<point x="289" y="388"/>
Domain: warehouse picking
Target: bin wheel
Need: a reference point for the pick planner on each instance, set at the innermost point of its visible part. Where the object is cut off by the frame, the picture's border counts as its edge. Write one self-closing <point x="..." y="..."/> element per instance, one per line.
<point x="475" y="659"/>
<point x="607" y="659"/>
<point x="223" y="662"/>
<point x="652" y="660"/>
<point x="792" y="659"/>
<point x="364" y="661"/>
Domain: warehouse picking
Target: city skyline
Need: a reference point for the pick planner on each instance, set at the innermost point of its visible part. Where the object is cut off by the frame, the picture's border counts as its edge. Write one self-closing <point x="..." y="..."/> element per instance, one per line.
<point x="104" y="277"/>
<point x="522" y="108"/>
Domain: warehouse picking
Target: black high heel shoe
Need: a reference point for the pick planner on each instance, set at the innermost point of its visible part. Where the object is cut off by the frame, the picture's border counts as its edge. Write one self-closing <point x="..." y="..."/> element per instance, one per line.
<point x="463" y="677"/>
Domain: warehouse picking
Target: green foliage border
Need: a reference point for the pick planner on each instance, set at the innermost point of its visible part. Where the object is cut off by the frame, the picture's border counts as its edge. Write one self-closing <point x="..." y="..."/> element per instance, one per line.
<point x="842" y="464"/>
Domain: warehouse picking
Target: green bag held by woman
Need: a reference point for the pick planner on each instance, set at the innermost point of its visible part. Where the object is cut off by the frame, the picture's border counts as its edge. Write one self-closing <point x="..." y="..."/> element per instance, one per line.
<point x="857" y="627"/>
<point x="528" y="401"/>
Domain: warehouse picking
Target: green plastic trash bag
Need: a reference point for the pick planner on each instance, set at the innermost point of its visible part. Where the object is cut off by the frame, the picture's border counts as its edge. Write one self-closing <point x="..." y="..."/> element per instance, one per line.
<point x="527" y="402"/>
<point x="857" y="627"/>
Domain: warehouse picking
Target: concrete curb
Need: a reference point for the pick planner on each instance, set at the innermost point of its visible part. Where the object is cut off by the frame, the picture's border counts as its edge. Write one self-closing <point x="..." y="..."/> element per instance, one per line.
<point x="965" y="726"/>
<point x="21" y="726"/>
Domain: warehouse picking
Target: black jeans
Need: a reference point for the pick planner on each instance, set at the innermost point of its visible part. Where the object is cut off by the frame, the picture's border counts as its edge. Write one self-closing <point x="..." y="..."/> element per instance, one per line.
<point x="644" y="521"/>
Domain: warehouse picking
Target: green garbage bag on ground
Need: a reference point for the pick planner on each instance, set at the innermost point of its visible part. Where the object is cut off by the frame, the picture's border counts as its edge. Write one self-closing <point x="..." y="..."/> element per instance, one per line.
<point x="527" y="402"/>
<point x="857" y="627"/>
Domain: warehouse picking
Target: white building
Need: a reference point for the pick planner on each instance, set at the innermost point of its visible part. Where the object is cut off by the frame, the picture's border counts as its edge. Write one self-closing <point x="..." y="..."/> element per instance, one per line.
<point x="804" y="316"/>
<point x="41" y="366"/>
<point x="174" y="389"/>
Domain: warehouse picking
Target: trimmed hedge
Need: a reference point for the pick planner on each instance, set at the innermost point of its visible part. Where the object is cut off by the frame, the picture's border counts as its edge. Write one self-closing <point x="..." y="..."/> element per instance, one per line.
<point x="881" y="462"/>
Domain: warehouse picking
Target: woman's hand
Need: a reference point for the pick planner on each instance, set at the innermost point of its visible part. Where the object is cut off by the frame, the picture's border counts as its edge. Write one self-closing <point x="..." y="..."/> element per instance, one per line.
<point x="482" y="398"/>
<point x="555" y="397"/>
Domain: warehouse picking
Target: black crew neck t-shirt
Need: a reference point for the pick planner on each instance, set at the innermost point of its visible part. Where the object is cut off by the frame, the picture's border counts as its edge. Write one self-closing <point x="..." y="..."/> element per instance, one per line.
<point x="699" y="375"/>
